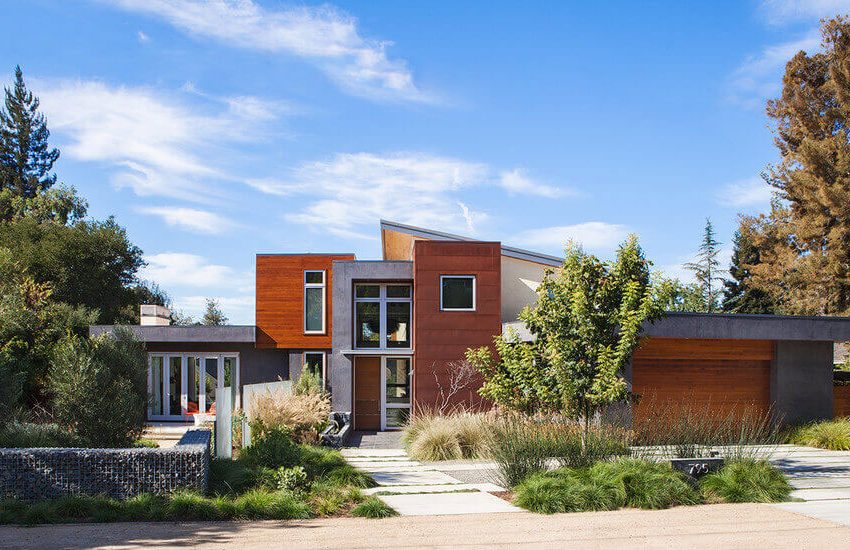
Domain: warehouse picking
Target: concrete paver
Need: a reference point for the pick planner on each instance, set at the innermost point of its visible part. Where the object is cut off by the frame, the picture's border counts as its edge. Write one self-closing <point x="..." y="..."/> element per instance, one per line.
<point x="485" y="487"/>
<point x="448" y="504"/>
<point x="837" y="511"/>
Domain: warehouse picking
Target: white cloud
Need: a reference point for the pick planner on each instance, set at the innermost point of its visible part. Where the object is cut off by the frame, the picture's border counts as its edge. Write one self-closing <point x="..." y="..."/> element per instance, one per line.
<point x="517" y="182"/>
<point x="759" y="77"/>
<point x="322" y="35"/>
<point x="746" y="192"/>
<point x="786" y="11"/>
<point x="155" y="144"/>
<point x="350" y="191"/>
<point x="175" y="269"/>
<point x="192" y="219"/>
<point x="591" y="235"/>
<point x="143" y="38"/>
<point x="238" y="309"/>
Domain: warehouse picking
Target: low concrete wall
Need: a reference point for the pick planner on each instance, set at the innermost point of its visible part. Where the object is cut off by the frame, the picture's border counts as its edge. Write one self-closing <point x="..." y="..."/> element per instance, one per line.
<point x="39" y="474"/>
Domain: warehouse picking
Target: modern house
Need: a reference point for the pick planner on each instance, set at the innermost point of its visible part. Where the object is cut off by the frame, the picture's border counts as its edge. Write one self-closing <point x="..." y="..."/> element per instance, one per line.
<point x="387" y="334"/>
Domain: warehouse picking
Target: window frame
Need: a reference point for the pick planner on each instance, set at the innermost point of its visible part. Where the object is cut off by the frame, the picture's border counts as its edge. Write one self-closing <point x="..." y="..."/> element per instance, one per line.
<point x="474" y="292"/>
<point x="184" y="356"/>
<point x="382" y="300"/>
<point x="323" y="287"/>
<point x="324" y="363"/>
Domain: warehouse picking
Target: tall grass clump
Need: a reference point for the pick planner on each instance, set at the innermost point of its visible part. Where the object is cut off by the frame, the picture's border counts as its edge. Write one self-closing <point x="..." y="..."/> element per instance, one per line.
<point x="27" y="434"/>
<point x="432" y="437"/>
<point x="373" y="507"/>
<point x="687" y="429"/>
<point x="829" y="434"/>
<point x="746" y="481"/>
<point x="303" y="415"/>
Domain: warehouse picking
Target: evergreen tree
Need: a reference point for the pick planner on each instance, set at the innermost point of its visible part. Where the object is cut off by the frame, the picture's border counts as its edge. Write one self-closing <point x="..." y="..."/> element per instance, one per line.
<point x="213" y="316"/>
<point x="739" y="296"/>
<point x="26" y="162"/>
<point x="707" y="268"/>
<point x="804" y="242"/>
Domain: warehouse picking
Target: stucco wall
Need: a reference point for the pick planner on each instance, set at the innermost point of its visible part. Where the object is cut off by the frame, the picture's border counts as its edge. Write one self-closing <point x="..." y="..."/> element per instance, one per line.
<point x="801" y="381"/>
<point x="519" y="285"/>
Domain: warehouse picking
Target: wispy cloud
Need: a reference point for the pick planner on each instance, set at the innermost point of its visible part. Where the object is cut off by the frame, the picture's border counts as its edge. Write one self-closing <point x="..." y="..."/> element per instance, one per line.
<point x="325" y="36"/>
<point x="143" y="38"/>
<point x="349" y="191"/>
<point x="517" y="182"/>
<point x="779" y="12"/>
<point x="747" y="192"/>
<point x="181" y="270"/>
<point x="238" y="309"/>
<point x="191" y="219"/>
<point x="591" y="235"/>
<point x="155" y="143"/>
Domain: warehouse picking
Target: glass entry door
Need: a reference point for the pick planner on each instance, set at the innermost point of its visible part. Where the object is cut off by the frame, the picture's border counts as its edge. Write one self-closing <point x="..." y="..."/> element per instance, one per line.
<point x="183" y="385"/>
<point x="396" y="378"/>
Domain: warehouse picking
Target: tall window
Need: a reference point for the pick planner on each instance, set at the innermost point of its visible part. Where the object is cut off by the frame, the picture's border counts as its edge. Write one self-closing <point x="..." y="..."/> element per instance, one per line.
<point x="457" y="292"/>
<point x="382" y="316"/>
<point x="314" y="363"/>
<point x="314" y="302"/>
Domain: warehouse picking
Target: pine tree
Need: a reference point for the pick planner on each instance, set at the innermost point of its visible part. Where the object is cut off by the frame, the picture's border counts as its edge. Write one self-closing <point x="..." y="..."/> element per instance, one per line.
<point x="213" y="316"/>
<point x="707" y="268"/>
<point x="739" y="296"/>
<point x="804" y="242"/>
<point x="26" y="162"/>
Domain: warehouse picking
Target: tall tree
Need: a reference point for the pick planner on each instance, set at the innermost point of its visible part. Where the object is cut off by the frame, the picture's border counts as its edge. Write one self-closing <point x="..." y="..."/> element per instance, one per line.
<point x="804" y="242"/>
<point x="586" y="323"/>
<point x="674" y="295"/>
<point x="706" y="268"/>
<point x="26" y="162"/>
<point x="739" y="296"/>
<point x="213" y="316"/>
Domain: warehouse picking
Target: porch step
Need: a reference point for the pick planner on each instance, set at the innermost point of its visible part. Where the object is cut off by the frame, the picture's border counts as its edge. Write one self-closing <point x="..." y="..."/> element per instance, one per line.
<point x="166" y="434"/>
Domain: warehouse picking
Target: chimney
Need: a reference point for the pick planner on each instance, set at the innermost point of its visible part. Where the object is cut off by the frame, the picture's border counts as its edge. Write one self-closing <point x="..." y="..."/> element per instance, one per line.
<point x="154" y="316"/>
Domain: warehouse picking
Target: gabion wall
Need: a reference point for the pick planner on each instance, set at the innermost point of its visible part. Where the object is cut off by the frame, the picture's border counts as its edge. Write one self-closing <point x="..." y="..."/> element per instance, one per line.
<point x="37" y="474"/>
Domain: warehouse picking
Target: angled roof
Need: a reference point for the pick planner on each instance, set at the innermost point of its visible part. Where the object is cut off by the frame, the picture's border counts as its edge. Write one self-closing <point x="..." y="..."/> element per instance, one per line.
<point x="432" y="235"/>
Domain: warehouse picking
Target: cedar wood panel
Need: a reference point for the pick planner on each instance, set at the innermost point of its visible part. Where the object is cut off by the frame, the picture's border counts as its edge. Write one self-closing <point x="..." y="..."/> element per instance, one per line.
<point x="280" y="300"/>
<point x="442" y="337"/>
<point x="367" y="393"/>
<point x="841" y="401"/>
<point x="721" y="376"/>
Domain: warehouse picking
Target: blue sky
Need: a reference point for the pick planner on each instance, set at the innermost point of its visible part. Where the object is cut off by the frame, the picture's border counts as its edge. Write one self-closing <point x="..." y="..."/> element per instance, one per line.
<point x="215" y="131"/>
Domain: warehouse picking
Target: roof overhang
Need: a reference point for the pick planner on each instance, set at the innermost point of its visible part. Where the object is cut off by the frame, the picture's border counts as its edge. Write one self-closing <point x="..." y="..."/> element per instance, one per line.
<point x="725" y="326"/>
<point x="189" y="334"/>
<point x="429" y="234"/>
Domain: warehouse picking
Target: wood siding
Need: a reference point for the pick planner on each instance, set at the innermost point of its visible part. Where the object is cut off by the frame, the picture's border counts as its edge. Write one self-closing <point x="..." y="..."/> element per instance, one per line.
<point x="841" y="401"/>
<point x="280" y="300"/>
<point x="441" y="338"/>
<point x="367" y="393"/>
<point x="721" y="377"/>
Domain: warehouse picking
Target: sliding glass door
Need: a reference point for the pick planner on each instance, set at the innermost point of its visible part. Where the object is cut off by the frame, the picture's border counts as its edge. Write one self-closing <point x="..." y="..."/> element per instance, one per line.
<point x="181" y="385"/>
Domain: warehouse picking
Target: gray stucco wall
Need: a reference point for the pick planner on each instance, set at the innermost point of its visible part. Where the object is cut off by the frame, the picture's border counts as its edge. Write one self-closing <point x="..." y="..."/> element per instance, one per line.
<point x="801" y="381"/>
<point x="345" y="274"/>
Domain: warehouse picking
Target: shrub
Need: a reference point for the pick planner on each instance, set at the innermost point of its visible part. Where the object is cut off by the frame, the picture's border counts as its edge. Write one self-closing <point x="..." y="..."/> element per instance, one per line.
<point x="25" y="434"/>
<point x="91" y="379"/>
<point x="746" y="481"/>
<point x="292" y="479"/>
<point x="271" y="448"/>
<point x="448" y="437"/>
<point x="230" y="477"/>
<point x="304" y="416"/>
<point x="259" y="504"/>
<point x="829" y="434"/>
<point x="373" y="507"/>
<point x="329" y="498"/>
<point x="309" y="384"/>
<point x="438" y="441"/>
<point x="649" y="484"/>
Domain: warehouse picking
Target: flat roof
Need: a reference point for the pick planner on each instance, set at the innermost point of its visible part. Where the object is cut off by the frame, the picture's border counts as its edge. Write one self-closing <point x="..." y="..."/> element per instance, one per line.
<point x="190" y="334"/>
<point x="509" y="251"/>
<point x="733" y="326"/>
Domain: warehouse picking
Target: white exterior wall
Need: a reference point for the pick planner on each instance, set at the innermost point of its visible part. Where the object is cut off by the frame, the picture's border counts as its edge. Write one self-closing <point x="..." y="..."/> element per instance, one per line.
<point x="519" y="285"/>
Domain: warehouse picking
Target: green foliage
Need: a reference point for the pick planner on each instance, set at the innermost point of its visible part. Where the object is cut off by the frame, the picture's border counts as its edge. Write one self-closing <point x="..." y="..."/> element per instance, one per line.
<point x="26" y="434"/>
<point x="328" y="498"/>
<point x="272" y="448"/>
<point x="746" y="481"/>
<point x="740" y="296"/>
<point x="447" y="437"/>
<point x="230" y="477"/>
<point x="605" y="486"/>
<point x="373" y="507"/>
<point x="706" y="269"/>
<point x="213" y="316"/>
<point x="90" y="264"/>
<point x="92" y="379"/>
<point x="586" y="322"/>
<point x="292" y="479"/>
<point x="828" y="434"/>
<point x="309" y="383"/>
<point x="674" y="295"/>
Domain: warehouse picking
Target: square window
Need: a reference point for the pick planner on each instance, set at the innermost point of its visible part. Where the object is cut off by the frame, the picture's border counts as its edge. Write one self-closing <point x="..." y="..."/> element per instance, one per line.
<point x="457" y="292"/>
<point x="314" y="277"/>
<point x="398" y="291"/>
<point x="398" y="324"/>
<point x="368" y="291"/>
<point x="368" y="325"/>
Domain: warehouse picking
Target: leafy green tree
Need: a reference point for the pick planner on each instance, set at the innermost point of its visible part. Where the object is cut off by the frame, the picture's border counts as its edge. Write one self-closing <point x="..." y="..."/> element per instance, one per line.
<point x="740" y="296"/>
<point x="706" y="269"/>
<point x="90" y="264"/>
<point x="586" y="323"/>
<point x="99" y="388"/>
<point x="26" y="163"/>
<point x="674" y="295"/>
<point x="213" y="316"/>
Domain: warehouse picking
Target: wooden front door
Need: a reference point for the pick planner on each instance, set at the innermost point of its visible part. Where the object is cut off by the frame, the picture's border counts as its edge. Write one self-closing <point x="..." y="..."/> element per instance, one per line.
<point x="367" y="393"/>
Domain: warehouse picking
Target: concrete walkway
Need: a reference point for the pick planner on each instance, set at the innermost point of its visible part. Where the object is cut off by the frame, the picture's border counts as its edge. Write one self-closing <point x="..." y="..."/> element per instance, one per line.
<point x="414" y="489"/>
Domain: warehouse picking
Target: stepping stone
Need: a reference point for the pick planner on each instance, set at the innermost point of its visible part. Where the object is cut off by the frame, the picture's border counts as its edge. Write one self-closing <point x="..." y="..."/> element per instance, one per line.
<point x="353" y="452"/>
<point x="822" y="494"/>
<point x="482" y="487"/>
<point x="837" y="511"/>
<point x="374" y="464"/>
<point x="440" y="504"/>
<point x="820" y="483"/>
<point x="413" y="477"/>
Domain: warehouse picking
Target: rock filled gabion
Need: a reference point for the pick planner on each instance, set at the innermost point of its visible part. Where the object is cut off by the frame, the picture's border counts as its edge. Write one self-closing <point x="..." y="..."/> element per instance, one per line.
<point x="38" y="474"/>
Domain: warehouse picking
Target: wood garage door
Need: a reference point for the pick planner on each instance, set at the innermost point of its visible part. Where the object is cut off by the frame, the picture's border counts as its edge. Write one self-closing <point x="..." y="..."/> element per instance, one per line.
<point x="721" y="377"/>
<point x="367" y="393"/>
